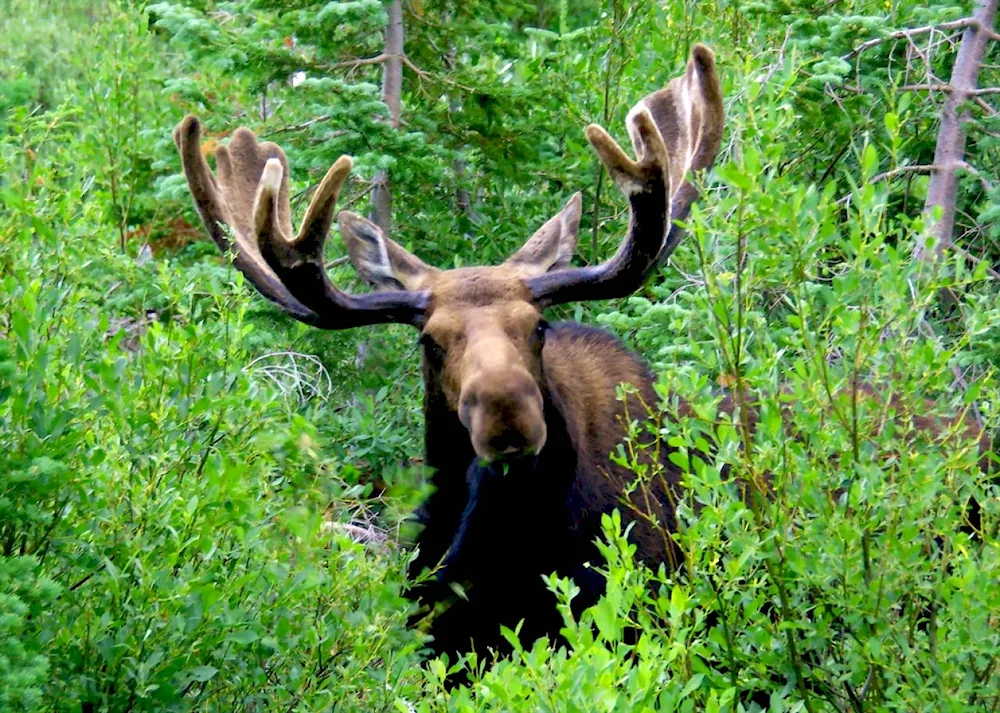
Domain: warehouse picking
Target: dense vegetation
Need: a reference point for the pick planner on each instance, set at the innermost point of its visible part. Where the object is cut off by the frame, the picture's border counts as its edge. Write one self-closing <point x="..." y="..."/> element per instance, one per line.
<point x="202" y="504"/>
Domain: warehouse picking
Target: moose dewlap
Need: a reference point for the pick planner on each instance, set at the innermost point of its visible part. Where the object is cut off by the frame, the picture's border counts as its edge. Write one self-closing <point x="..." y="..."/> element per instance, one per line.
<point x="521" y="415"/>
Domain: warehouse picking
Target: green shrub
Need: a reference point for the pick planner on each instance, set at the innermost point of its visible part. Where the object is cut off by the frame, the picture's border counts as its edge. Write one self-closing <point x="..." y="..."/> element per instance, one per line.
<point x="187" y="519"/>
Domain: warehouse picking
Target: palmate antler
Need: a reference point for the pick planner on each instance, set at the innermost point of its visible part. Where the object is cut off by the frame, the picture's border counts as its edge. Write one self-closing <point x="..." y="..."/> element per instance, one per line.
<point x="674" y="130"/>
<point x="246" y="208"/>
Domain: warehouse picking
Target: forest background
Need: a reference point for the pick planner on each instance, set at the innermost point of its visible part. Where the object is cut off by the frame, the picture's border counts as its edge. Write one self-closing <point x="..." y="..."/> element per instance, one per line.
<point x="202" y="503"/>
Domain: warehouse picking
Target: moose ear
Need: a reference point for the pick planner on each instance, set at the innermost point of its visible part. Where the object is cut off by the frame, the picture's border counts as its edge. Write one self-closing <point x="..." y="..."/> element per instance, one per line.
<point x="380" y="261"/>
<point x="551" y="247"/>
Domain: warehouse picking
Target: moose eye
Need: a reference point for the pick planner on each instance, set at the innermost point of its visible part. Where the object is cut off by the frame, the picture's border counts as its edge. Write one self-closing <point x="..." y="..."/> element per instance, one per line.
<point x="431" y="347"/>
<point x="540" y="331"/>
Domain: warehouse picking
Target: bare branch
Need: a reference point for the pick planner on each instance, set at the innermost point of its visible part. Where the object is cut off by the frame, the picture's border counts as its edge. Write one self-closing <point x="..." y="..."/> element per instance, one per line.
<point x="969" y="168"/>
<point x="305" y="125"/>
<point x="424" y="75"/>
<point x="990" y="111"/>
<point x="930" y="168"/>
<point x="355" y="63"/>
<point x="976" y="260"/>
<point x="947" y="88"/>
<point x="921" y="168"/>
<point x="337" y="261"/>
<point x="967" y="22"/>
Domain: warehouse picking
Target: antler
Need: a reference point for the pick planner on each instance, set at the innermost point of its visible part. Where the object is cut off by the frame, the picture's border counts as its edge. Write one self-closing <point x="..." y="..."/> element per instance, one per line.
<point x="674" y="130"/>
<point x="246" y="210"/>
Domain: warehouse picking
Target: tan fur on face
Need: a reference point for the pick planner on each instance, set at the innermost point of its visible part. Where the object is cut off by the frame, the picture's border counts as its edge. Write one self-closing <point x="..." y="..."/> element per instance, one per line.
<point x="483" y="321"/>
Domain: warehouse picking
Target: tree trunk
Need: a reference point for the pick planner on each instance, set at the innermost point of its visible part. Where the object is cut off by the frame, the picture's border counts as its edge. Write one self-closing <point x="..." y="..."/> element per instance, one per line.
<point x="949" y="153"/>
<point x="392" y="86"/>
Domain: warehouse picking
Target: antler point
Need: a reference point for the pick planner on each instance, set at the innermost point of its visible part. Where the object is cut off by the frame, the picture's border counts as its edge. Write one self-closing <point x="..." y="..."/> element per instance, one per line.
<point x="271" y="177"/>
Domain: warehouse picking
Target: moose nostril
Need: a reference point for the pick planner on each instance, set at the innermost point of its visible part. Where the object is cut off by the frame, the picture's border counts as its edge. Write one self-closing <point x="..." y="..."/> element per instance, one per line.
<point x="466" y="404"/>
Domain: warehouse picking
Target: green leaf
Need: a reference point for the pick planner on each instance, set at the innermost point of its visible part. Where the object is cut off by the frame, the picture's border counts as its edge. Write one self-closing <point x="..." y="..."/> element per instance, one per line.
<point x="692" y="684"/>
<point x="201" y="674"/>
<point x="243" y="637"/>
<point x="606" y="619"/>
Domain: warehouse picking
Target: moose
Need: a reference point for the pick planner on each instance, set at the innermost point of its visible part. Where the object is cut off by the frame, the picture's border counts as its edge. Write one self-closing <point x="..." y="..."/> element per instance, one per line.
<point x="521" y="414"/>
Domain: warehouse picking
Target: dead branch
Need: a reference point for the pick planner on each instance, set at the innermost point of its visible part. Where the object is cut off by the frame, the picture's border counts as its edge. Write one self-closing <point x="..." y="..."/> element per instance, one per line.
<point x="947" y="88"/>
<point x="337" y="261"/>
<point x="355" y="63"/>
<point x="920" y="168"/>
<point x="974" y="23"/>
<point x="305" y="125"/>
<point x="976" y="260"/>
<point x="930" y="168"/>
<point x="990" y="111"/>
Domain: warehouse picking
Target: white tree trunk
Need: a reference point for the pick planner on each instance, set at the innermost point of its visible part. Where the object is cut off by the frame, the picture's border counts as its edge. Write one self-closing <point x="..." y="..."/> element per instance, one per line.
<point x="949" y="153"/>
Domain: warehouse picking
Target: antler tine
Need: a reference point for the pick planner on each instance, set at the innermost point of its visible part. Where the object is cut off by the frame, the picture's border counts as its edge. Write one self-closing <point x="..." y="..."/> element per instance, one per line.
<point x="673" y="131"/>
<point x="250" y="196"/>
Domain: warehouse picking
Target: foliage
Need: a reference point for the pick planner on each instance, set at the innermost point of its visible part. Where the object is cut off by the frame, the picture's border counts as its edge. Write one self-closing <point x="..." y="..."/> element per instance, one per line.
<point x="182" y="471"/>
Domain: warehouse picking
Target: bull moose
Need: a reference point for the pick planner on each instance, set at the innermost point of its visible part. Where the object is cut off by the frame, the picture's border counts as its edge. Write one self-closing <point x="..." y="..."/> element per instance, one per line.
<point x="521" y="415"/>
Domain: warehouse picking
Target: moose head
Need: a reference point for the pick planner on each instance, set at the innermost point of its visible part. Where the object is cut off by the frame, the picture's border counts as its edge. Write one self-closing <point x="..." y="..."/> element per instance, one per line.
<point x="482" y="328"/>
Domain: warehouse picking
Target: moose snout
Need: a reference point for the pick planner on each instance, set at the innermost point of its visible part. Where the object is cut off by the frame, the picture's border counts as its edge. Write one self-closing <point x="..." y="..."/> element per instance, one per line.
<point x="505" y="417"/>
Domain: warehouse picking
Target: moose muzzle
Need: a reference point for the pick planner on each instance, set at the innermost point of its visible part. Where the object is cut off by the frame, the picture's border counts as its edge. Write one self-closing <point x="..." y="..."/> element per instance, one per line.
<point x="504" y="414"/>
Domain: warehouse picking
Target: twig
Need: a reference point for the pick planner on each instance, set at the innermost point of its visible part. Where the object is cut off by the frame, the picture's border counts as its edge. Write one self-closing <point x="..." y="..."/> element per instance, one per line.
<point x="976" y="260"/>
<point x="353" y="63"/>
<point x="913" y="32"/>
<point x="990" y="111"/>
<point x="918" y="168"/>
<point x="306" y="125"/>
<point x="423" y="75"/>
<point x="928" y="168"/>
<point x="947" y="88"/>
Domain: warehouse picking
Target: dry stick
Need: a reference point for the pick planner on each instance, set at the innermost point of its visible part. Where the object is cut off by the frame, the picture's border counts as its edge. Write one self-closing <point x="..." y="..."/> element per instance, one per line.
<point x="392" y="86"/>
<point x="947" y="88"/>
<point x="968" y="22"/>
<point x="353" y="63"/>
<point x="949" y="151"/>
<point x="300" y="127"/>
<point x="930" y="168"/>
<point x="990" y="111"/>
<point x="976" y="260"/>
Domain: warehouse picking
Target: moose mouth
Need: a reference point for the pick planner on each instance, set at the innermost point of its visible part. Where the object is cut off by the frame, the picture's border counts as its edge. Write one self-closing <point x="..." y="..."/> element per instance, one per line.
<point x="498" y="453"/>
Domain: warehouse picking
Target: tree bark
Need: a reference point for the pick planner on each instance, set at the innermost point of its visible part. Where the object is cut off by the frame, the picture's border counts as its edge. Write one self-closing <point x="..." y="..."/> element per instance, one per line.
<point x="392" y="87"/>
<point x="949" y="153"/>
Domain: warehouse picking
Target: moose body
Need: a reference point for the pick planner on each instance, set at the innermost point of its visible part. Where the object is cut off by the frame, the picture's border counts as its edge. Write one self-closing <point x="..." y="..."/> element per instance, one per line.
<point x="496" y="528"/>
